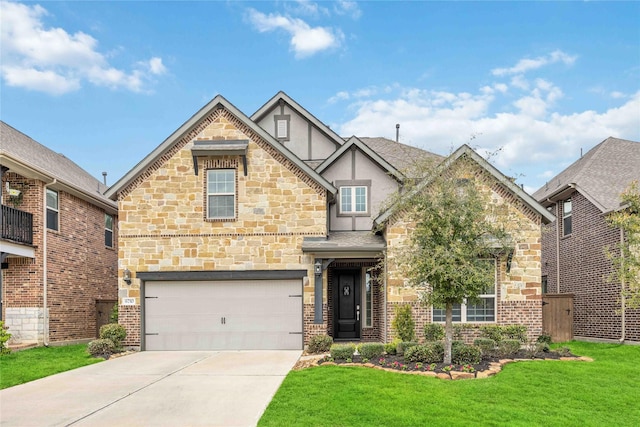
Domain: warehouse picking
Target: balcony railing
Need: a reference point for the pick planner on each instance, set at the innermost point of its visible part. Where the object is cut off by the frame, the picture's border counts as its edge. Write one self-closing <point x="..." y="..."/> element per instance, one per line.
<point x="16" y="225"/>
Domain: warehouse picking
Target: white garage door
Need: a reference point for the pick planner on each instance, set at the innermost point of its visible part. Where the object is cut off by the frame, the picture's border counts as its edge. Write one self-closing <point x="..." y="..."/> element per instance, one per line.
<point x="223" y="315"/>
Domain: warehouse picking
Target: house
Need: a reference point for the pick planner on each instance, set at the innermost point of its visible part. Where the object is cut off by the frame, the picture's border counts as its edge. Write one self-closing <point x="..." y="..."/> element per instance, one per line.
<point x="573" y="247"/>
<point x="58" y="245"/>
<point x="257" y="232"/>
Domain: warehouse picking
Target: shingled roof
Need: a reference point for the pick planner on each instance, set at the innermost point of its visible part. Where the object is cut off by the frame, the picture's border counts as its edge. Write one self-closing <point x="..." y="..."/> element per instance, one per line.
<point x="18" y="147"/>
<point x="403" y="157"/>
<point x="601" y="175"/>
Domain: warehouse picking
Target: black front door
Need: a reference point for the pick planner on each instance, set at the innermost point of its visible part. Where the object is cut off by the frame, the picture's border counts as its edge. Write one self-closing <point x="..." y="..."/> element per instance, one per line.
<point x="347" y="304"/>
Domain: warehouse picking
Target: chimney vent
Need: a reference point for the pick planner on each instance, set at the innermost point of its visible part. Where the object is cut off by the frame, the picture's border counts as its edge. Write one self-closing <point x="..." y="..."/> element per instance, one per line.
<point x="397" y="132"/>
<point x="104" y="178"/>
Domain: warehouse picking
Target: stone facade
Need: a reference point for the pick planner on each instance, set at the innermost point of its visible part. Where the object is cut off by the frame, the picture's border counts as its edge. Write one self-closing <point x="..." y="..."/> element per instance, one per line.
<point x="163" y="225"/>
<point x="585" y="272"/>
<point x="80" y="269"/>
<point x="518" y="291"/>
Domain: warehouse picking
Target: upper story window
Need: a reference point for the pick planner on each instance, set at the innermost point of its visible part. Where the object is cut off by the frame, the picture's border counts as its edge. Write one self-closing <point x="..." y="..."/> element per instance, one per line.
<point x="221" y="193"/>
<point x="108" y="230"/>
<point x="353" y="199"/>
<point x="52" y="210"/>
<point x="566" y="218"/>
<point x="483" y="311"/>
<point x="283" y="123"/>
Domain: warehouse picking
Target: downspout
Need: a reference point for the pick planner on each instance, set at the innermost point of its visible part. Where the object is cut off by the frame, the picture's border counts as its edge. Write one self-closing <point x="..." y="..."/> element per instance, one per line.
<point x="45" y="314"/>
<point x="622" y="285"/>
<point x="384" y="286"/>
<point x="558" y="219"/>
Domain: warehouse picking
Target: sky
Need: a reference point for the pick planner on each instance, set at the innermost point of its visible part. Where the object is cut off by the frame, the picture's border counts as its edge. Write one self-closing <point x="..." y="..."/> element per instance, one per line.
<point x="529" y="85"/>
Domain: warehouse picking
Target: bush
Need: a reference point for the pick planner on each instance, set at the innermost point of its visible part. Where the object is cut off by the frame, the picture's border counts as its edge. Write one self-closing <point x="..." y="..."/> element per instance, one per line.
<point x="545" y="338"/>
<point x="515" y="332"/>
<point x="403" y="346"/>
<point x="371" y="350"/>
<point x="430" y="352"/>
<point x="320" y="343"/>
<point x="114" y="332"/>
<point x="493" y="332"/>
<point x="390" y="348"/>
<point x="508" y="347"/>
<point x="403" y="323"/>
<point x="433" y="332"/>
<point x="113" y="317"/>
<point x="466" y="354"/>
<point x="342" y="351"/>
<point x="486" y="345"/>
<point x="102" y="347"/>
<point x="4" y="337"/>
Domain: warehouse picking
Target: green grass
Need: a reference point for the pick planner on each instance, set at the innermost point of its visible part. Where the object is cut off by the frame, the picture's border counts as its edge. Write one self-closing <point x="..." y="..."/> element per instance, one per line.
<point x="605" y="392"/>
<point x="23" y="366"/>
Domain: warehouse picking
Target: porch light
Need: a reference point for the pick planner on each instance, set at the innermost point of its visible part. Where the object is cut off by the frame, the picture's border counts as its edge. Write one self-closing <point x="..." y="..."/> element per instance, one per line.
<point x="318" y="267"/>
<point x="126" y="276"/>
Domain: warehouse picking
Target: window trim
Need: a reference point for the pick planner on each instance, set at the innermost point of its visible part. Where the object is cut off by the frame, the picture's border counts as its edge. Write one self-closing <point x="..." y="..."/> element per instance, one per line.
<point x="367" y="303"/>
<point x="364" y="183"/>
<point x="234" y="194"/>
<point x="56" y="210"/>
<point x="108" y="230"/>
<point x="463" y="306"/>
<point x="567" y="217"/>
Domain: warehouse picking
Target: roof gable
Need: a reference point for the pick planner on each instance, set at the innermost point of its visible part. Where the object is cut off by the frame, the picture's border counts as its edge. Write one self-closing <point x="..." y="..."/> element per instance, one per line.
<point x="25" y="155"/>
<point x="467" y="151"/>
<point x="274" y="102"/>
<point x="601" y="175"/>
<point x="403" y="157"/>
<point x="356" y="143"/>
<point x="192" y="127"/>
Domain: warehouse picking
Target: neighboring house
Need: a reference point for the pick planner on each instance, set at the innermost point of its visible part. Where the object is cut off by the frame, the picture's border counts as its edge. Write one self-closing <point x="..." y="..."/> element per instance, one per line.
<point x="573" y="248"/>
<point x="257" y="232"/>
<point x="58" y="245"/>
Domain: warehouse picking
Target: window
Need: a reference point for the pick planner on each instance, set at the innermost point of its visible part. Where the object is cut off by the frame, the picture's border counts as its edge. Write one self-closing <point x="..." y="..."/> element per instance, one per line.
<point x="108" y="230"/>
<point x="353" y="199"/>
<point x="52" y="210"/>
<point x="544" y="284"/>
<point x="566" y="217"/>
<point x="221" y="193"/>
<point x="483" y="311"/>
<point x="366" y="299"/>
<point x="282" y="127"/>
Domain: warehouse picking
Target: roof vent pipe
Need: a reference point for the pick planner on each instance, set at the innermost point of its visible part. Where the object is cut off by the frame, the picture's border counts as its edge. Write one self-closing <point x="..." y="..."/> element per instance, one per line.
<point x="397" y="132"/>
<point x="104" y="178"/>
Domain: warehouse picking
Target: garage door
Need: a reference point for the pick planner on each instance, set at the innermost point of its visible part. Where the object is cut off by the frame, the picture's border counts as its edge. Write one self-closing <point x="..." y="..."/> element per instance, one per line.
<point x="223" y="315"/>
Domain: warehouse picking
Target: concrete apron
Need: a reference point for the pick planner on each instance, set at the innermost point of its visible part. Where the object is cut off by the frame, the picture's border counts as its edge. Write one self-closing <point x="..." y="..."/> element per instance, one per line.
<point x="186" y="388"/>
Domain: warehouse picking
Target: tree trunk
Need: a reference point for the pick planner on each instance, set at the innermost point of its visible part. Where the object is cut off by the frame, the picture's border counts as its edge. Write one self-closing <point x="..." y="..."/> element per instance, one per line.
<point x="448" y="332"/>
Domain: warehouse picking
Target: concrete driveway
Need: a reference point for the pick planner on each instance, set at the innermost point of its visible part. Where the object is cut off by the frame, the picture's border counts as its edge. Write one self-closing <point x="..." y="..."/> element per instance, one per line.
<point x="186" y="388"/>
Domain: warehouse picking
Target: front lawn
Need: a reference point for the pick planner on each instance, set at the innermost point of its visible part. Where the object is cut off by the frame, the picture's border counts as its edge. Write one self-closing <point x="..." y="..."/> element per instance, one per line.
<point x="28" y="365"/>
<point x="602" y="392"/>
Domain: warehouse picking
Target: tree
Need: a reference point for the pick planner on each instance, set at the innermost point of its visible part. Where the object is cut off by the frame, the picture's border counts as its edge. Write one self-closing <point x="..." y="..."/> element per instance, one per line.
<point x="456" y="228"/>
<point x="626" y="259"/>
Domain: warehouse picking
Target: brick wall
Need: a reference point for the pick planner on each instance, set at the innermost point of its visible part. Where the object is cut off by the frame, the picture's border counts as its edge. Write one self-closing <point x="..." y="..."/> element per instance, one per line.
<point x="80" y="269"/>
<point x="584" y="272"/>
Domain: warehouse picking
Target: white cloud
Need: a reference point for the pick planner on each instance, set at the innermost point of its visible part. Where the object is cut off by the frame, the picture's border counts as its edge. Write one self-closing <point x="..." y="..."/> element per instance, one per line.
<point x="526" y="64"/>
<point x="305" y="40"/>
<point x="530" y="137"/>
<point x="51" y="60"/>
<point x="351" y="8"/>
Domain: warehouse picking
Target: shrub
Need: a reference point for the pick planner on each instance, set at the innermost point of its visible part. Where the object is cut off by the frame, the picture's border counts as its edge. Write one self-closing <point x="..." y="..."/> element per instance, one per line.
<point x="403" y="346"/>
<point x="371" y="350"/>
<point x="466" y="354"/>
<point x="545" y="338"/>
<point x="390" y="348"/>
<point x="508" y="347"/>
<point x="114" y="332"/>
<point x="433" y="332"/>
<point x="486" y="345"/>
<point x="515" y="332"/>
<point x="4" y="337"/>
<point x="493" y="332"/>
<point x="113" y="317"/>
<point x="102" y="347"/>
<point x="342" y="351"/>
<point x="403" y="323"/>
<point x="320" y="343"/>
<point x="457" y="332"/>
<point x="430" y="352"/>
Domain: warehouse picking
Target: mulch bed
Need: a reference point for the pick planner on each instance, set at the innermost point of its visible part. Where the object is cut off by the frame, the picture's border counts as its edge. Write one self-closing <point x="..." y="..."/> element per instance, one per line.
<point x="486" y="368"/>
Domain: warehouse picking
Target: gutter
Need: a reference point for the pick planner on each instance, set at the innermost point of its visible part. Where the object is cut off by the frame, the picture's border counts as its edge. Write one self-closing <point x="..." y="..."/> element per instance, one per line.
<point x="622" y="298"/>
<point x="45" y="232"/>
